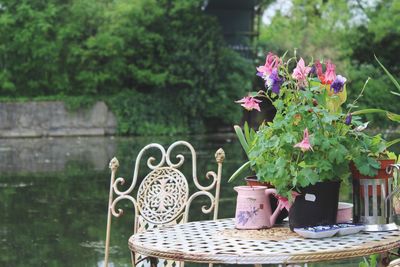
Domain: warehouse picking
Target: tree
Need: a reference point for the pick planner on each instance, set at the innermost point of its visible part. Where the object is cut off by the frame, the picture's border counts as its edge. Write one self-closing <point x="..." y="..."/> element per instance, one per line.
<point x="349" y="33"/>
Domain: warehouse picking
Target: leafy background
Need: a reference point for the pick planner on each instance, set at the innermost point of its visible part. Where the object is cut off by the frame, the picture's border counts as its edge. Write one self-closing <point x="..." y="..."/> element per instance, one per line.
<point x="349" y="33"/>
<point x="146" y="57"/>
<point x="162" y="66"/>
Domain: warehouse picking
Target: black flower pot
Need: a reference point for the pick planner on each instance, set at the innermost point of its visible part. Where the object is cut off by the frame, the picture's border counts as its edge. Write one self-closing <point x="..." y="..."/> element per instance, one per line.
<point x="316" y="205"/>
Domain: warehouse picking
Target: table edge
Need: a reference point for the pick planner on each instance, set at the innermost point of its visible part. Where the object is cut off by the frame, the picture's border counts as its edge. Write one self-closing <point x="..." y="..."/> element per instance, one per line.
<point x="306" y="257"/>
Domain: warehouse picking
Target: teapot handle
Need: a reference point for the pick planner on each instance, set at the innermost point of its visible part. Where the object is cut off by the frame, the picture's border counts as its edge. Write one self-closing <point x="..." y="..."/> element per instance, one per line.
<point x="278" y="209"/>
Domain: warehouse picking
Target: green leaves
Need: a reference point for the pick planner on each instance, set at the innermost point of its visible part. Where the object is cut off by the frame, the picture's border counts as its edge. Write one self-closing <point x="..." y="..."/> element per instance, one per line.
<point x="324" y="165"/>
<point x="390" y="115"/>
<point x="367" y="165"/>
<point x="242" y="139"/>
<point x="316" y="107"/>
<point x="396" y="84"/>
<point x="371" y="261"/>
<point x="307" y="177"/>
<point x="390" y="143"/>
<point x="289" y="138"/>
<point x="337" y="154"/>
<point x="101" y="48"/>
<point x="275" y="158"/>
<point x="239" y="171"/>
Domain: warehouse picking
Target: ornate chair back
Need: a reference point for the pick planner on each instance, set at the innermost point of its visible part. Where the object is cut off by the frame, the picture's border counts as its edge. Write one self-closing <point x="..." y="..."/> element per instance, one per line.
<point x="163" y="197"/>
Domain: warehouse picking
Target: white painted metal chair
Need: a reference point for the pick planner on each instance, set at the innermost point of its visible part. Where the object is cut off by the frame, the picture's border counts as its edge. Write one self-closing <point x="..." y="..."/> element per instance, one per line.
<point x="163" y="197"/>
<point x="394" y="263"/>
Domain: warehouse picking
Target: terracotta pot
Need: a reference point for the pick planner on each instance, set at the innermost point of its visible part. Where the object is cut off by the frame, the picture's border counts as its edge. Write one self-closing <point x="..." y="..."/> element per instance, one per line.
<point x="253" y="181"/>
<point x="316" y="205"/>
<point x="382" y="174"/>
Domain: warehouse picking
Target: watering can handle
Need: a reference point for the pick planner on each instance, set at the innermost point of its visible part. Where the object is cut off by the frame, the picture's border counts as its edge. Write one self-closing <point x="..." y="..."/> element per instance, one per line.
<point x="274" y="216"/>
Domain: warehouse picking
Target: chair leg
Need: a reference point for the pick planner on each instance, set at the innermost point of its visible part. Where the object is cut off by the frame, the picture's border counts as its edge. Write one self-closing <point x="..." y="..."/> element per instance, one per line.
<point x="153" y="262"/>
<point x="133" y="259"/>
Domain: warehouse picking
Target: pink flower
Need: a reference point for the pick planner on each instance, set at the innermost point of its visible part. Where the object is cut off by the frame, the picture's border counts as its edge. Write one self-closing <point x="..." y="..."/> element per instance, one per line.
<point x="318" y="67"/>
<point x="330" y="74"/>
<point x="304" y="145"/>
<point x="283" y="202"/>
<point x="272" y="62"/>
<point x="249" y="103"/>
<point x="300" y="73"/>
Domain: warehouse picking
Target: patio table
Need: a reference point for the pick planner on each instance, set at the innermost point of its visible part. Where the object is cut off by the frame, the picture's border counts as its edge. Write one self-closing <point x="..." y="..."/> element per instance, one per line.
<point x="219" y="242"/>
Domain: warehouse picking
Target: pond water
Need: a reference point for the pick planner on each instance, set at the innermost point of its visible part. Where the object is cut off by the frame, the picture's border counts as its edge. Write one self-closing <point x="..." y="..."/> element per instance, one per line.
<point x="54" y="192"/>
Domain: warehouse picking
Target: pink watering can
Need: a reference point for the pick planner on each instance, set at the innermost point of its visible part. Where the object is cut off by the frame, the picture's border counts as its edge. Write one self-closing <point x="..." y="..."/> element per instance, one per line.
<point x="253" y="209"/>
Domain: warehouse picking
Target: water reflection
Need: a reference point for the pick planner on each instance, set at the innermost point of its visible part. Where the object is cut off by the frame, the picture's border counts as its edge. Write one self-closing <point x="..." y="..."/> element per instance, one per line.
<point x="53" y="196"/>
<point x="38" y="155"/>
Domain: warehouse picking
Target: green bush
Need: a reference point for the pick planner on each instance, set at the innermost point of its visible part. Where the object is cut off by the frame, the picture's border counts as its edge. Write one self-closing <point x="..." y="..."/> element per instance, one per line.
<point x="377" y="93"/>
<point x="143" y="114"/>
<point x="164" y="61"/>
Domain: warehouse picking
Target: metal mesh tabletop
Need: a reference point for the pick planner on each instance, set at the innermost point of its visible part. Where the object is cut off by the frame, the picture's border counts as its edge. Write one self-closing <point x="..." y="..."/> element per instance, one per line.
<point x="213" y="241"/>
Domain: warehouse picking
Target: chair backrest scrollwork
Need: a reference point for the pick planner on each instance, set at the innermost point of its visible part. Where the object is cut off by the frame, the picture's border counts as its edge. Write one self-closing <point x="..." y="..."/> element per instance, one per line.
<point x="163" y="196"/>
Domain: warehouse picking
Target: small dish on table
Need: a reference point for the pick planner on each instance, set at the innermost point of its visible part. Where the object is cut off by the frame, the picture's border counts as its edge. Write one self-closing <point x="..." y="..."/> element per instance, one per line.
<point x="321" y="231"/>
<point x="349" y="228"/>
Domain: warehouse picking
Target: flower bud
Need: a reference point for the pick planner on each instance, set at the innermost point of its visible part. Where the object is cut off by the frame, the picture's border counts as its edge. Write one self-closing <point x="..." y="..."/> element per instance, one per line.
<point x="348" y="119"/>
<point x="297" y="119"/>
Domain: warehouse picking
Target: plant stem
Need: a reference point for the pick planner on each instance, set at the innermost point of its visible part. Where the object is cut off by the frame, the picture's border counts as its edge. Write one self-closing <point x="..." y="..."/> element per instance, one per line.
<point x="360" y="95"/>
<point x="265" y="95"/>
<point x="298" y="157"/>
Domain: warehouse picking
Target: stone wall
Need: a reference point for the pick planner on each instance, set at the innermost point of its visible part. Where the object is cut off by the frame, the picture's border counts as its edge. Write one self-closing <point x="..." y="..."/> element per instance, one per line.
<point x="51" y="118"/>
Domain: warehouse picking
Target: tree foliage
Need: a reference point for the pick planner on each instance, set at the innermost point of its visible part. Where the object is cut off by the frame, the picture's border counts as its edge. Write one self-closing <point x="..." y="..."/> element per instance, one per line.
<point x="159" y="63"/>
<point x="349" y="33"/>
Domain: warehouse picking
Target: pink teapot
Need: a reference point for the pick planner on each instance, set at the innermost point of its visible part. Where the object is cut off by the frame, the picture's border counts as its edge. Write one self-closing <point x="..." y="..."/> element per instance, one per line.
<point x="253" y="209"/>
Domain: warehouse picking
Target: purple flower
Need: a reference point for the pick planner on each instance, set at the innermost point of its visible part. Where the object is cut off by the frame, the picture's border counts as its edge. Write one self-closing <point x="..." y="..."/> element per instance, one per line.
<point x="348" y="119"/>
<point x="244" y="216"/>
<point x="272" y="62"/>
<point x="274" y="82"/>
<point x="338" y="83"/>
<point x="313" y="70"/>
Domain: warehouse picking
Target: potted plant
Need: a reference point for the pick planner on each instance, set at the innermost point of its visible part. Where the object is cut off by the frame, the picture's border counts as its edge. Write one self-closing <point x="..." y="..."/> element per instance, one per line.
<point x="385" y="159"/>
<point x="246" y="137"/>
<point x="396" y="158"/>
<point x="309" y="144"/>
<point x="380" y="159"/>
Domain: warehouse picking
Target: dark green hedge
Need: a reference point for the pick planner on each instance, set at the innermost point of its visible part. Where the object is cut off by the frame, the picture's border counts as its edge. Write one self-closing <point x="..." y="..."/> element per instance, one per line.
<point x="161" y="65"/>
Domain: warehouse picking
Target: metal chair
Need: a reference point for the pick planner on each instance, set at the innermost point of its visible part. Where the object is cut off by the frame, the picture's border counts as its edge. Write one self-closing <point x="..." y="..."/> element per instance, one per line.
<point x="394" y="263"/>
<point x="163" y="197"/>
